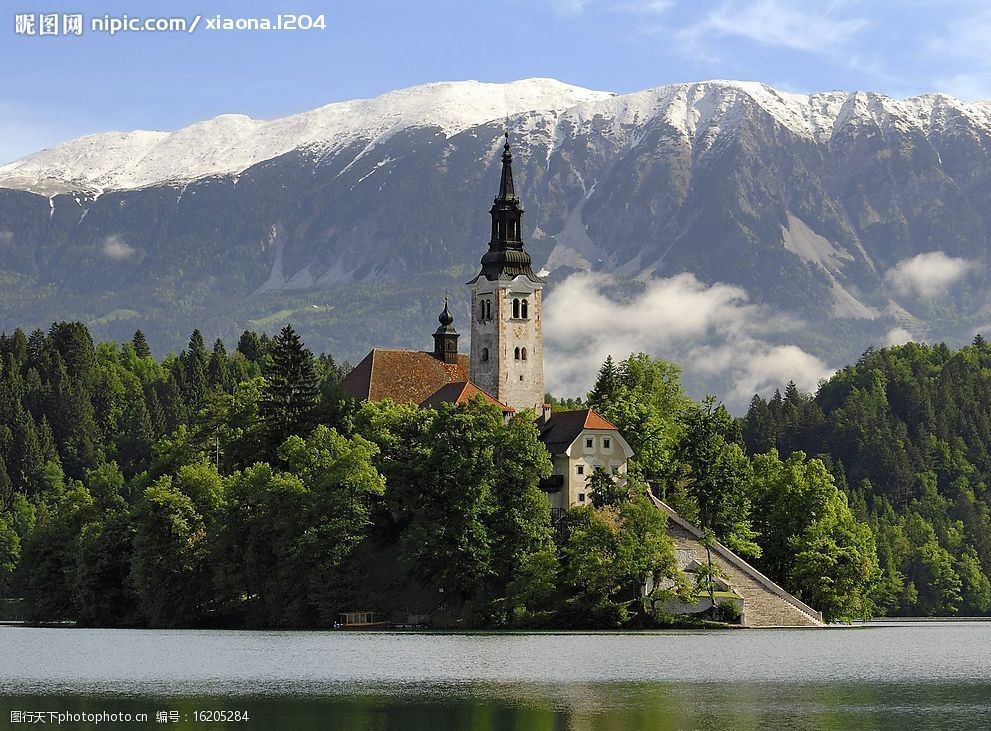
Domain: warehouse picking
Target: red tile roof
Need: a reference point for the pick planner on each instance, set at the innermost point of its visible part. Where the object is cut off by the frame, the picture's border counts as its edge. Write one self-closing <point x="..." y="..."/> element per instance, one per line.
<point x="562" y="428"/>
<point x="460" y="393"/>
<point x="402" y="375"/>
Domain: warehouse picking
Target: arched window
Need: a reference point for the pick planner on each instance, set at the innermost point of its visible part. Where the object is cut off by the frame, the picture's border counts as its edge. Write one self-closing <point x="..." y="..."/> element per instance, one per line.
<point x="516" y="308"/>
<point x="488" y="309"/>
<point x="523" y="354"/>
<point x="525" y="309"/>
<point x="485" y="353"/>
<point x="481" y="310"/>
<point x="516" y="354"/>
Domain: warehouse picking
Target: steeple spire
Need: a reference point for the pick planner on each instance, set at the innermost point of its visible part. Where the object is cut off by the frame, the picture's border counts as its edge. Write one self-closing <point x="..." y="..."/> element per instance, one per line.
<point x="507" y="191"/>
<point x="446" y="337"/>
<point x="506" y="258"/>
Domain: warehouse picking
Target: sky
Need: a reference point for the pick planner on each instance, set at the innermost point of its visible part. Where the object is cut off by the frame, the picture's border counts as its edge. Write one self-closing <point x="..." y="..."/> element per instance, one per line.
<point x="55" y="88"/>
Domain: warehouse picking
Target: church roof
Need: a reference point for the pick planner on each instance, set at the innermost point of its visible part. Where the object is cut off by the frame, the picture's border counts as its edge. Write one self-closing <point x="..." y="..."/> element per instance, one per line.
<point x="402" y="375"/>
<point x="460" y="393"/>
<point x="560" y="430"/>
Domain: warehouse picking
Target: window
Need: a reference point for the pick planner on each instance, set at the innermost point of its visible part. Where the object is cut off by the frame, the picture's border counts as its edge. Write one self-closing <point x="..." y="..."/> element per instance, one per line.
<point x="521" y="377"/>
<point x="606" y="443"/>
<point x="516" y="354"/>
<point x="516" y="308"/>
<point x="481" y="310"/>
<point x="523" y="309"/>
<point x="523" y="354"/>
<point x="588" y="443"/>
<point x="581" y="469"/>
<point x="488" y="309"/>
<point x="485" y="353"/>
<point x="581" y="497"/>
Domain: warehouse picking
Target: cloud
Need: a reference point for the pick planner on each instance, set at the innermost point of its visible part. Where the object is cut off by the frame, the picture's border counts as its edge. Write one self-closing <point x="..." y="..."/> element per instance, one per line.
<point x="812" y="28"/>
<point x="962" y="44"/>
<point x="714" y="332"/>
<point x="6" y="236"/>
<point x="632" y="7"/>
<point x="898" y="336"/>
<point x="115" y="248"/>
<point x="928" y="275"/>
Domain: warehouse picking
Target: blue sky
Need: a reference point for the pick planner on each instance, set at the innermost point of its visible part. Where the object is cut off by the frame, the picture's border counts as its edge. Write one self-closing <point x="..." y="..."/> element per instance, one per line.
<point x="56" y="88"/>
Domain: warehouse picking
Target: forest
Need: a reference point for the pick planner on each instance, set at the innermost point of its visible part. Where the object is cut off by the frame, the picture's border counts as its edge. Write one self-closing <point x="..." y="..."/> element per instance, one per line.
<point x="242" y="488"/>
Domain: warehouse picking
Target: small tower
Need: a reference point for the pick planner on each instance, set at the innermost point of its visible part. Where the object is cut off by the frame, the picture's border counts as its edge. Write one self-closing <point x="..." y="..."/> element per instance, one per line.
<point x="506" y="342"/>
<point x="446" y="337"/>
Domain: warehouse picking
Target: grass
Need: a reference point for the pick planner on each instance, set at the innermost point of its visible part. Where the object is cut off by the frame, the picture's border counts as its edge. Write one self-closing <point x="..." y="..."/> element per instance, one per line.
<point x="115" y="315"/>
<point x="281" y="315"/>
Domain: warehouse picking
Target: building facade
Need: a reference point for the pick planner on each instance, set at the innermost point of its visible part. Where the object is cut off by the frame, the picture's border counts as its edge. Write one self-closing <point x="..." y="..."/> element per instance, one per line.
<point x="579" y="442"/>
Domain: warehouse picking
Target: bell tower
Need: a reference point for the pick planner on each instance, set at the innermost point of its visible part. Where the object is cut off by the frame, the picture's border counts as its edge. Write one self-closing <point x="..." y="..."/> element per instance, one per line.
<point x="507" y="355"/>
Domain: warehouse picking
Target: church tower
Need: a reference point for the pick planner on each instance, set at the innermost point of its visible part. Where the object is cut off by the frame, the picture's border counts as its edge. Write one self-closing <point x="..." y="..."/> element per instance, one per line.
<point x="507" y="355"/>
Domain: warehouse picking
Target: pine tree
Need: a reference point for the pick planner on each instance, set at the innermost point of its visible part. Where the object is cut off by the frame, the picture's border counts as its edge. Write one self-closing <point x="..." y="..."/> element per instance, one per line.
<point x="607" y="384"/>
<point x="140" y="345"/>
<point x="250" y="345"/>
<point x="36" y="347"/>
<point x="173" y="408"/>
<point x="291" y="391"/>
<point x="218" y="370"/>
<point x="134" y="451"/>
<point x="156" y="413"/>
<point x="6" y="486"/>
<point x="194" y="364"/>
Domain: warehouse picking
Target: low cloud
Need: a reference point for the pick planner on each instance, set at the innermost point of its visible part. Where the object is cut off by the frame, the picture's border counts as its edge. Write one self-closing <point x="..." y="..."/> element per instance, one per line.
<point x="714" y="332"/>
<point x="928" y="275"/>
<point x="6" y="236"/>
<point x="898" y="336"/>
<point x="115" y="248"/>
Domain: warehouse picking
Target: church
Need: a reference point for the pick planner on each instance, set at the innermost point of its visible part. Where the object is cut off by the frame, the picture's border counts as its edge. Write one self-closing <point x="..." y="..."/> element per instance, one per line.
<point x="506" y="362"/>
<point x="506" y="368"/>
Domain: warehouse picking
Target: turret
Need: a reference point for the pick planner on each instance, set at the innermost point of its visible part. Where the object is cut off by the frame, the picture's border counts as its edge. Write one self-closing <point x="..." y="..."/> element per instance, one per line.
<point x="446" y="337"/>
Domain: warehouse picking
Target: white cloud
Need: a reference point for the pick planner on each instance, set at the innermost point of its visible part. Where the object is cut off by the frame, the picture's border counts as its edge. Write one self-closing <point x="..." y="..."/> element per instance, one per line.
<point x="714" y="332"/>
<point x="6" y="236"/>
<point x="810" y="28"/>
<point x="898" y="336"/>
<point x="115" y="248"/>
<point x="928" y="275"/>
<point x="633" y="7"/>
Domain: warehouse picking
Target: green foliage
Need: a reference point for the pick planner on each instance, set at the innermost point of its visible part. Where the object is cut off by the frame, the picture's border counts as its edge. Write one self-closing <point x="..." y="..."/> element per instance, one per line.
<point x="171" y="567"/>
<point x="905" y="432"/>
<point x="643" y="397"/>
<point x="246" y="489"/>
<point x="612" y="558"/>
<point x="717" y="475"/>
<point x="811" y="538"/>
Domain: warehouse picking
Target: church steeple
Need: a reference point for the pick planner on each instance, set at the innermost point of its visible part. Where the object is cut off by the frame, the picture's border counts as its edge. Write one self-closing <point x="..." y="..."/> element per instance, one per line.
<point x="506" y="258"/>
<point x="446" y="337"/>
<point x="507" y="348"/>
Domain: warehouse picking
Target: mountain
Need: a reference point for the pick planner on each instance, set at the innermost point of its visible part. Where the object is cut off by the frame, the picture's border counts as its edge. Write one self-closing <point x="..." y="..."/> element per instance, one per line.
<point x="858" y="218"/>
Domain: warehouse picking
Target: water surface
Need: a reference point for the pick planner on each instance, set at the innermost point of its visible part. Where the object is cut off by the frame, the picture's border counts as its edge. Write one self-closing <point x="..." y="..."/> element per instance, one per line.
<point x="928" y="675"/>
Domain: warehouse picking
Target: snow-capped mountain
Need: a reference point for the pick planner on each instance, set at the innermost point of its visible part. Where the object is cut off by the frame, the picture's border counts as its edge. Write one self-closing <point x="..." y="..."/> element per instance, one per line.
<point x="351" y="217"/>
<point x="231" y="143"/>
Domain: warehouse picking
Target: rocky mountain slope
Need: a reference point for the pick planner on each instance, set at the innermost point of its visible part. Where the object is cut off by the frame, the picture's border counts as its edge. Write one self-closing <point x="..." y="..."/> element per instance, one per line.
<point x="860" y="217"/>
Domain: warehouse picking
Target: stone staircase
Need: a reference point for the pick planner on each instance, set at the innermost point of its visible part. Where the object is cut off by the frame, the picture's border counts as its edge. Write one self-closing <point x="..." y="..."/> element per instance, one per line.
<point x="765" y="603"/>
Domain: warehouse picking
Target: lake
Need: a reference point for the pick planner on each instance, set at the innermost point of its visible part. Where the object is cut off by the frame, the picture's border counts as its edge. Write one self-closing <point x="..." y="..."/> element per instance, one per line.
<point x="919" y="675"/>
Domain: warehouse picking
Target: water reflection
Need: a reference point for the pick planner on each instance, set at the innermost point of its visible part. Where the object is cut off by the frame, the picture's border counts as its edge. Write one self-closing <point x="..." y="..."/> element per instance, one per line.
<point x="916" y="677"/>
